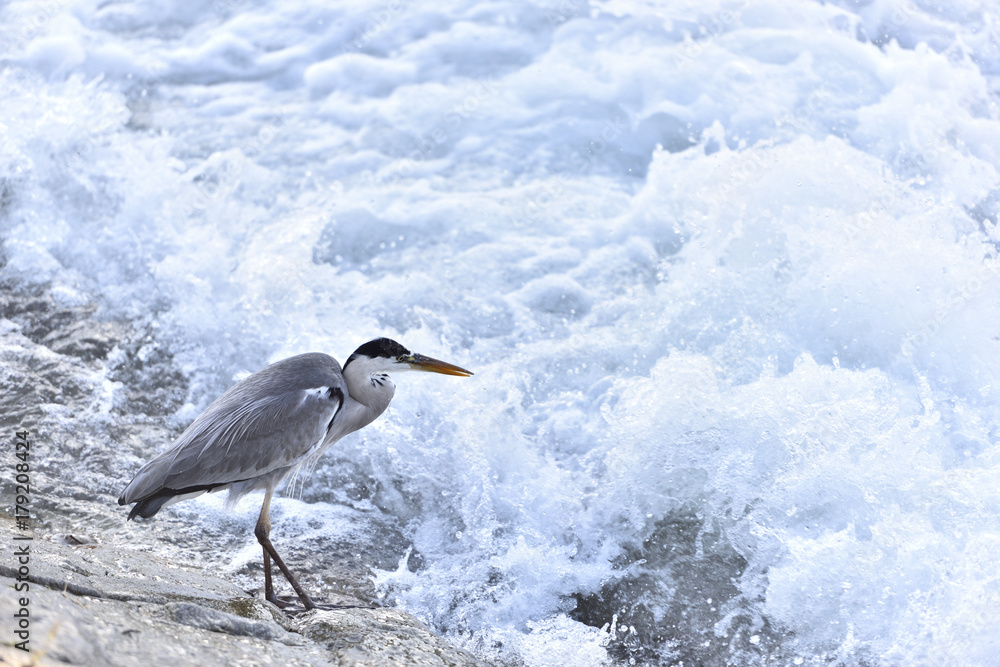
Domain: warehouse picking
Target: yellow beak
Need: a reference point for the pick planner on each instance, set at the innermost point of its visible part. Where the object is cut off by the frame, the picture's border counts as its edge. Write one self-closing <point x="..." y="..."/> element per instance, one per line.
<point x="419" y="362"/>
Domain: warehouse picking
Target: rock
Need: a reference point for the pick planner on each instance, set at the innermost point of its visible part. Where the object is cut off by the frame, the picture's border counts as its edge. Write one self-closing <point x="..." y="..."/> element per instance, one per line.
<point x="206" y="618"/>
<point x="102" y="605"/>
<point x="377" y="637"/>
<point x="85" y="339"/>
<point x="67" y="329"/>
<point x="80" y="629"/>
<point x="114" y="573"/>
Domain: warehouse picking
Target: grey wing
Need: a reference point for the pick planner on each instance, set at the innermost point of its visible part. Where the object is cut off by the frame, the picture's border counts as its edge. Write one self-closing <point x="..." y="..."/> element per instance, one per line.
<point x="266" y="422"/>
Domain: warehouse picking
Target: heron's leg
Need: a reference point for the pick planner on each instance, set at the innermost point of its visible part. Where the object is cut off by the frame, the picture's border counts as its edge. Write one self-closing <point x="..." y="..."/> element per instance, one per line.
<point x="264" y="528"/>
<point x="268" y="584"/>
<point x="263" y="532"/>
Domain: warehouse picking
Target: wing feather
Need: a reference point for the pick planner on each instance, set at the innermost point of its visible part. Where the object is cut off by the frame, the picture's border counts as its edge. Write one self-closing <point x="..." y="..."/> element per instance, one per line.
<point x="268" y="421"/>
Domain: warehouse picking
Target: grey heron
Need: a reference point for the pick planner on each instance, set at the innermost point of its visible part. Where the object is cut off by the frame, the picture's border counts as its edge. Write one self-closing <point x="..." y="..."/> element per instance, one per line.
<point x="269" y="423"/>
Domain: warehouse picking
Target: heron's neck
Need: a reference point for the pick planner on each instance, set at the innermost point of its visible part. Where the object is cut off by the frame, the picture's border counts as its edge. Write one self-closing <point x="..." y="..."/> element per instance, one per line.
<point x="373" y="390"/>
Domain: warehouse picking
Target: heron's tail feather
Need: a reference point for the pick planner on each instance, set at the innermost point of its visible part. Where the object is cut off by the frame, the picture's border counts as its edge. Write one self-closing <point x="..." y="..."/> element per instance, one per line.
<point x="151" y="504"/>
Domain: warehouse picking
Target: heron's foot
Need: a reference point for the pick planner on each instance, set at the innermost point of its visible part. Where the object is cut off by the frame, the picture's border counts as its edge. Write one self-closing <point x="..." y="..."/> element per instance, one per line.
<point x="292" y="605"/>
<point x="284" y="601"/>
<point x="325" y="606"/>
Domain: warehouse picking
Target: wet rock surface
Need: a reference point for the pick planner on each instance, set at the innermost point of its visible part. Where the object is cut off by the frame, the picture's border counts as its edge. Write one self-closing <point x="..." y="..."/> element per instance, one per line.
<point x="142" y="611"/>
<point x="104" y="591"/>
<point x="98" y="605"/>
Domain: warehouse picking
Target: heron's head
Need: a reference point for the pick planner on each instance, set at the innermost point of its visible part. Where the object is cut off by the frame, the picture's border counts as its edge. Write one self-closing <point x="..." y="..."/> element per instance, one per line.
<point x="384" y="355"/>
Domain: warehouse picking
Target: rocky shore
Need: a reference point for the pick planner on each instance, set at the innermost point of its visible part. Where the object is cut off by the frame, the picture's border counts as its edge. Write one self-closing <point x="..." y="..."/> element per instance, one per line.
<point x="93" y="604"/>
<point x="105" y="592"/>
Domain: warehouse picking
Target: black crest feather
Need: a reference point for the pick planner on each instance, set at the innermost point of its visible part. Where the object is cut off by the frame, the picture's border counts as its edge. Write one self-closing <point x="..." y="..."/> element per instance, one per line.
<point x="380" y="347"/>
